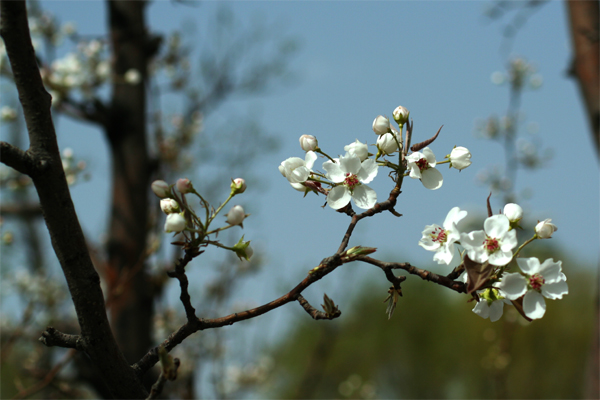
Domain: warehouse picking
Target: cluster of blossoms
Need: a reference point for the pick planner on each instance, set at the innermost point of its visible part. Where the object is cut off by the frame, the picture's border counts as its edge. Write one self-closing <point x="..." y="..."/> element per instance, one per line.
<point x="347" y="176"/>
<point x="182" y="219"/>
<point x="486" y="259"/>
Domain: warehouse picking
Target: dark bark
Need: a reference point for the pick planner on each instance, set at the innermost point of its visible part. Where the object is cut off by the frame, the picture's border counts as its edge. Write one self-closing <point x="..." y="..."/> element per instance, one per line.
<point x="43" y="164"/>
<point x="131" y="291"/>
<point x="584" y="20"/>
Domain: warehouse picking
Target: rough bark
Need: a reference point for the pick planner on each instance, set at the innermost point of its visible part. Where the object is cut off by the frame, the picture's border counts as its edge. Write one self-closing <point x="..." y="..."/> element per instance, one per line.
<point x="43" y="164"/>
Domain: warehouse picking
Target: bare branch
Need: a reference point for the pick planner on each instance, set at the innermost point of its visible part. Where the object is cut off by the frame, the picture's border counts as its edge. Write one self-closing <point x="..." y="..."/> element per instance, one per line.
<point x="51" y="337"/>
<point x="16" y="158"/>
<point x="179" y="273"/>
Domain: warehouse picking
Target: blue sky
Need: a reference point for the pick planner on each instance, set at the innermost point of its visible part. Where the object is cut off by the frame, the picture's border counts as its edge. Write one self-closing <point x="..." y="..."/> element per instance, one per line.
<point x="361" y="59"/>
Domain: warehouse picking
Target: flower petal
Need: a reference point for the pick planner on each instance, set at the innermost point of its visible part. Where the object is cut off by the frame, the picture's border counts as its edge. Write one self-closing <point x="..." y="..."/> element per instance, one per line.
<point x="368" y="171"/>
<point x="334" y="171"/>
<point x="364" y="196"/>
<point x="555" y="290"/>
<point x="530" y="266"/>
<point x="551" y="271"/>
<point x="534" y="305"/>
<point x="432" y="178"/>
<point x="310" y="159"/>
<point x="338" y="197"/>
<point x="496" y="226"/>
<point x="496" y="310"/>
<point x="350" y="164"/>
<point x="513" y="285"/>
<point x="482" y="309"/>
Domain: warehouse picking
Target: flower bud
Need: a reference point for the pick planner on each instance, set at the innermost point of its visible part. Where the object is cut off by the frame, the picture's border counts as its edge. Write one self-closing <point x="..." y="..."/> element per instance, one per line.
<point x="360" y="150"/>
<point x="175" y="223"/>
<point x="460" y="158"/>
<point x="161" y="189"/>
<point x="381" y="125"/>
<point x="387" y="144"/>
<point x="238" y="186"/>
<point x="309" y="143"/>
<point x="514" y="212"/>
<point x="545" y="229"/>
<point x="184" y="186"/>
<point x="401" y="115"/>
<point x="169" y="206"/>
<point x="236" y="216"/>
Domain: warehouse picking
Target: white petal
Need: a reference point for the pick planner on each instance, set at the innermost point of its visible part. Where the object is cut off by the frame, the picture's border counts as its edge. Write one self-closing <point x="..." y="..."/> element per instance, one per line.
<point x="500" y="258"/>
<point x="534" y="305"/>
<point x="350" y="164"/>
<point x="509" y="241"/>
<point x="530" y="266"/>
<point x="338" y="197"/>
<point x="368" y="171"/>
<point x="496" y="226"/>
<point x="513" y="286"/>
<point x="426" y="241"/>
<point x="555" y="290"/>
<point x="453" y="217"/>
<point x="432" y="178"/>
<point x="445" y="254"/>
<point x="496" y="310"/>
<point x="297" y="175"/>
<point x="364" y="196"/>
<point x="482" y="309"/>
<point x="334" y="172"/>
<point x="551" y="271"/>
<point x="429" y="156"/>
<point x="310" y="159"/>
<point x="473" y="243"/>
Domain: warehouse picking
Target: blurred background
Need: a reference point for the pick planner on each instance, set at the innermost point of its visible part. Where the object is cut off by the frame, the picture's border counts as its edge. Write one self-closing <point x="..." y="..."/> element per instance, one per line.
<point x="232" y="87"/>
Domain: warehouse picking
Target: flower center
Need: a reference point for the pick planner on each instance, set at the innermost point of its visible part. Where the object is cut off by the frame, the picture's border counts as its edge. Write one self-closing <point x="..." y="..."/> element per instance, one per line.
<point x="422" y="164"/>
<point x="536" y="281"/>
<point x="439" y="235"/>
<point x="351" y="181"/>
<point x="491" y="244"/>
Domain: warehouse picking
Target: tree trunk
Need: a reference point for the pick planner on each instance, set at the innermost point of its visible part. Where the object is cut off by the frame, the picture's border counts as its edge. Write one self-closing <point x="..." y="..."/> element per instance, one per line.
<point x="131" y="305"/>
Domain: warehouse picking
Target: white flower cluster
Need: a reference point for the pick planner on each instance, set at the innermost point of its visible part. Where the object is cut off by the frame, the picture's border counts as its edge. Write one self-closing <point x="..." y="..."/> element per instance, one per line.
<point x="181" y="217"/>
<point x="347" y="176"/>
<point x="493" y="246"/>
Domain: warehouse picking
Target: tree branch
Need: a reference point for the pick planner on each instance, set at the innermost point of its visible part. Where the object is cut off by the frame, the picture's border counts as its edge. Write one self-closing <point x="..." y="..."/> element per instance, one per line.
<point x="16" y="158"/>
<point x="59" y="213"/>
<point x="51" y="337"/>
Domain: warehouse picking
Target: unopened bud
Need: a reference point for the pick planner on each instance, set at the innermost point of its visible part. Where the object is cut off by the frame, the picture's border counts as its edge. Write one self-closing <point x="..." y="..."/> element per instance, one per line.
<point x="381" y="125"/>
<point x="309" y="143"/>
<point x="184" y="186"/>
<point x="238" y="186"/>
<point x="161" y="189"/>
<point x="401" y="115"/>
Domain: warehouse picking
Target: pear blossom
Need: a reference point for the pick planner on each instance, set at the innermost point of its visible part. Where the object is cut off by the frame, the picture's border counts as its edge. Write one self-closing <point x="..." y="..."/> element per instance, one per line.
<point x="401" y="115"/>
<point x="309" y="143"/>
<point x="387" y="144"/>
<point x="381" y="125"/>
<point x="169" y="206"/>
<point x="161" y="189"/>
<point x="238" y="186"/>
<point x="441" y="240"/>
<point x="236" y="216"/>
<point x="537" y="281"/>
<point x="422" y="166"/>
<point x="352" y="176"/>
<point x="297" y="170"/>
<point x="545" y="229"/>
<point x="175" y="223"/>
<point x="513" y="212"/>
<point x="494" y="244"/>
<point x="184" y="185"/>
<point x="460" y="158"/>
<point x="361" y="150"/>
<point x="132" y="76"/>
<point x="490" y="304"/>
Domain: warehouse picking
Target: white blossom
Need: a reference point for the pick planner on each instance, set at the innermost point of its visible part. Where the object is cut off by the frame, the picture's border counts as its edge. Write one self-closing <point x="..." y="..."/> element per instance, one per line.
<point x="460" y="158"/>
<point x="352" y="175"/>
<point x="494" y="244"/>
<point x="297" y="170"/>
<point x="361" y="150"/>
<point x="537" y="281"/>
<point x="381" y="125"/>
<point x="441" y="240"/>
<point x="175" y="223"/>
<point x="422" y="166"/>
